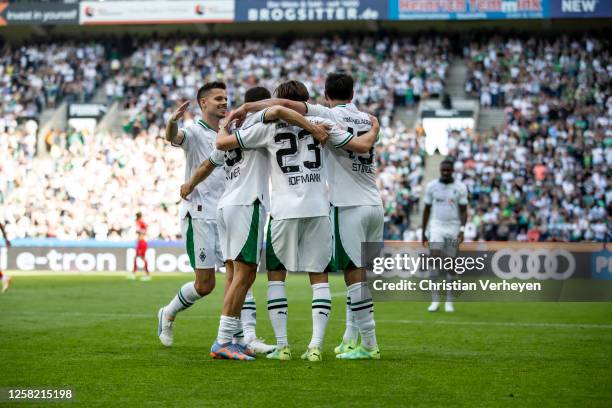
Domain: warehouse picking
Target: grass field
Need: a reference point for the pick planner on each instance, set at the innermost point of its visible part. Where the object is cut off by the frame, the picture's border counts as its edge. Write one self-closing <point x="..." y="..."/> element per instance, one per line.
<point x="97" y="335"/>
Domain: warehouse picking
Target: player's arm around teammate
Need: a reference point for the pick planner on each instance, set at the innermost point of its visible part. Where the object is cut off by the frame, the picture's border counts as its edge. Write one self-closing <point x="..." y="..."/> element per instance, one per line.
<point x="281" y="108"/>
<point x="226" y="141"/>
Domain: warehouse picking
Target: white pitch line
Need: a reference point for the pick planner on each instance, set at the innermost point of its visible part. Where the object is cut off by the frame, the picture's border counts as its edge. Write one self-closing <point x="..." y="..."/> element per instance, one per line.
<point x="424" y="322"/>
<point x="502" y="324"/>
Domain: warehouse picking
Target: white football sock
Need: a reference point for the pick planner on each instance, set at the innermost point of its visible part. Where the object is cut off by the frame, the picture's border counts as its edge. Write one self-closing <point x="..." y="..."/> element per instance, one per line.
<point x="363" y="310"/>
<point x="450" y="295"/>
<point x="321" y="308"/>
<point x="228" y="326"/>
<point x="435" y="293"/>
<point x="239" y="334"/>
<point x="277" y="310"/>
<point x="248" y="315"/>
<point x="186" y="297"/>
<point x="352" y="331"/>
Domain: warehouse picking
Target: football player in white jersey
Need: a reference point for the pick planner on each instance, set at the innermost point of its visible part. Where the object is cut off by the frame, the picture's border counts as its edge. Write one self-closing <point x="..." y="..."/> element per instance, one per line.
<point x="445" y="215"/>
<point x="241" y="217"/>
<point x="198" y="215"/>
<point x="357" y="211"/>
<point x="299" y="232"/>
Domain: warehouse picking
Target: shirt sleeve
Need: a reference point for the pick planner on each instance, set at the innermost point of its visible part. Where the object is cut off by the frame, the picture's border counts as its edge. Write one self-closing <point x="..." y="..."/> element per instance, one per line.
<point x="428" y="199"/>
<point x="320" y="111"/>
<point x="258" y="135"/>
<point x="185" y="143"/>
<point x="337" y="136"/>
<point x="463" y="195"/>
<point x="217" y="157"/>
<point x="257" y="117"/>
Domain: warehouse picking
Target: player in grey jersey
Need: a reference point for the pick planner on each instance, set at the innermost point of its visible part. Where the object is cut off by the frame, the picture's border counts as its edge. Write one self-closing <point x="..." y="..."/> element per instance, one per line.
<point x="198" y="214"/>
<point x="301" y="203"/>
<point x="357" y="210"/>
<point x="241" y="217"/>
<point x="444" y="217"/>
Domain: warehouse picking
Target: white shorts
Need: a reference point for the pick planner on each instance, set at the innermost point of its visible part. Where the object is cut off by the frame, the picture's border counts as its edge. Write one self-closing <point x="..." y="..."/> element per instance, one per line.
<point x="202" y="242"/>
<point x="299" y="244"/>
<point x="353" y="226"/>
<point x="443" y="237"/>
<point x="241" y="229"/>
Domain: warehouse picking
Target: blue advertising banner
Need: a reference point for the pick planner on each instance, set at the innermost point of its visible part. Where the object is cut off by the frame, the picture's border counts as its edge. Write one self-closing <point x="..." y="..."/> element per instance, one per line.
<point x="580" y="8"/>
<point x="310" y="10"/>
<point x="467" y="9"/>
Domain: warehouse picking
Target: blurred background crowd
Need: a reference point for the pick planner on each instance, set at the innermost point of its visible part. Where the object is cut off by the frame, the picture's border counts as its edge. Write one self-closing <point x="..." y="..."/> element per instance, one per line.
<point x="543" y="175"/>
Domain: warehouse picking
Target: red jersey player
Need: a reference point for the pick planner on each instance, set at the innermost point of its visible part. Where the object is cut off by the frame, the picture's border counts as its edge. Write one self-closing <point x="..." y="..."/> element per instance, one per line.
<point x="4" y="279"/>
<point x="141" y="247"/>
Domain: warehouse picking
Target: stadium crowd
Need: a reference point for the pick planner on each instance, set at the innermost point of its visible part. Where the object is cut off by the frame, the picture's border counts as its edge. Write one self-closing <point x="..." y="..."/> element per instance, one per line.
<point x="389" y="72"/>
<point x="33" y="77"/>
<point x="545" y="174"/>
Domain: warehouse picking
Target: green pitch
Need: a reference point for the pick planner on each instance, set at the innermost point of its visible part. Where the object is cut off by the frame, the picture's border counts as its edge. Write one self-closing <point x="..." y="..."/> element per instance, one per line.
<point x="98" y="336"/>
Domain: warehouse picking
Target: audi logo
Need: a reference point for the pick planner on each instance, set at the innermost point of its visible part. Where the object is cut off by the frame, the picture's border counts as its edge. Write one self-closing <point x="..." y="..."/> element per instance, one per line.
<point x="542" y="264"/>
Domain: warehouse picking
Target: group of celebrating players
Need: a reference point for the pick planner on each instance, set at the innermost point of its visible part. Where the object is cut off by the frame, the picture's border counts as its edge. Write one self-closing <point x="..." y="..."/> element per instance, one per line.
<point x="312" y="168"/>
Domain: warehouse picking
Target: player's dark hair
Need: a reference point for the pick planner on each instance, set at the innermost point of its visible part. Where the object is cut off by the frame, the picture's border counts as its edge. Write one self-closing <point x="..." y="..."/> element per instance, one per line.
<point x="448" y="161"/>
<point x="257" y="93"/>
<point x="339" y="86"/>
<point x="292" y="90"/>
<point x="209" y="86"/>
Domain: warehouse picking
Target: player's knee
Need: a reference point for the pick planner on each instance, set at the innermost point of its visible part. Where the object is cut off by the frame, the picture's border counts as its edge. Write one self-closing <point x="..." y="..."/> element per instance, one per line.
<point x="205" y="287"/>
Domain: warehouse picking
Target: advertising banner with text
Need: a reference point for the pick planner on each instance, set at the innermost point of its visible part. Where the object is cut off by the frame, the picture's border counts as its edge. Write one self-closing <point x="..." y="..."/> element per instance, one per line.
<point x="467" y="9"/>
<point x="156" y="12"/>
<point x="91" y="259"/>
<point x="310" y="10"/>
<point x="580" y="8"/>
<point x="36" y="13"/>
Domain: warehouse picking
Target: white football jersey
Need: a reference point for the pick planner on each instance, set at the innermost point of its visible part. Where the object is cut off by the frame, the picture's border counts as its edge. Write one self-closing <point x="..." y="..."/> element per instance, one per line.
<point x="296" y="165"/>
<point x="198" y="145"/>
<point x="246" y="172"/>
<point x="445" y="200"/>
<point x="351" y="176"/>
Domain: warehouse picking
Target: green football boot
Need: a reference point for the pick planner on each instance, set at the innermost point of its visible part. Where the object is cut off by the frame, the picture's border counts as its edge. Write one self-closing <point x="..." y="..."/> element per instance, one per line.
<point x="360" y="353"/>
<point x="313" y="354"/>
<point x="280" y="354"/>
<point x="345" y="347"/>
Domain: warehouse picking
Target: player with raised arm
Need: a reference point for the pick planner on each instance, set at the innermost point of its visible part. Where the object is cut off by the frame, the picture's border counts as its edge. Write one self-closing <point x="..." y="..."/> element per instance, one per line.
<point x="198" y="215"/>
<point x="241" y="216"/>
<point x="299" y="232"/>
<point x="357" y="211"/>
<point x="5" y="279"/>
<point x="445" y="214"/>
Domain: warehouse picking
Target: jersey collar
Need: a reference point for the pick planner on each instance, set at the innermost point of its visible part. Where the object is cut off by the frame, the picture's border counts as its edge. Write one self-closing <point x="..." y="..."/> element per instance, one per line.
<point x="204" y="125"/>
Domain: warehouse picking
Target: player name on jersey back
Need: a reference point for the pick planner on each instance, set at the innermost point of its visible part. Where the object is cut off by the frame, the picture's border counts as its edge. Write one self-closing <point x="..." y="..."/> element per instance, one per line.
<point x="351" y="176"/>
